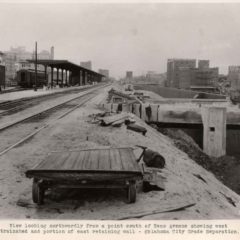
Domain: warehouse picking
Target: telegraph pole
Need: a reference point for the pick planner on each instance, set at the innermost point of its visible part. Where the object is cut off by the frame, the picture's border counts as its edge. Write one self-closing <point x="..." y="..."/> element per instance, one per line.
<point x="35" y="89"/>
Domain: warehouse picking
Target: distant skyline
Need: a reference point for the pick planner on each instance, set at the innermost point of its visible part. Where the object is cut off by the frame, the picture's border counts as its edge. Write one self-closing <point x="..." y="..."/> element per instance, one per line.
<point x="126" y="37"/>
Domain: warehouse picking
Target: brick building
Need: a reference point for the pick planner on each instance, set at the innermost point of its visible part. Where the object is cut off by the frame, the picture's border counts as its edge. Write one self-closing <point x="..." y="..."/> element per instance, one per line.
<point x="104" y="72"/>
<point x="183" y="74"/>
<point x="12" y="60"/>
<point x="204" y="77"/>
<point x="234" y="77"/>
<point x="87" y="65"/>
<point x="203" y="64"/>
<point x="129" y="74"/>
<point x="174" y="66"/>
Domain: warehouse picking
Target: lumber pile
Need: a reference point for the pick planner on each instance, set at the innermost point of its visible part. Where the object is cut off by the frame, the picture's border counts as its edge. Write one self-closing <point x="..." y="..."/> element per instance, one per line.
<point x="117" y="120"/>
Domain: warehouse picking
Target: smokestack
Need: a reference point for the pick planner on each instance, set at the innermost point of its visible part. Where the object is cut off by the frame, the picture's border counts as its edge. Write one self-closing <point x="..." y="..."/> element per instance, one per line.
<point x="52" y="53"/>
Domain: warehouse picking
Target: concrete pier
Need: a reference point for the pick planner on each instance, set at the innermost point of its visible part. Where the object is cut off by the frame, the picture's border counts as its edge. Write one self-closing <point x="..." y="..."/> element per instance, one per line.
<point x="214" y="135"/>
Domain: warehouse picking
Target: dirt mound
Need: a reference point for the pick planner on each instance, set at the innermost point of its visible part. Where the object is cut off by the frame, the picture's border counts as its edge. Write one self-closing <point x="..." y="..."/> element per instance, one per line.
<point x="226" y="168"/>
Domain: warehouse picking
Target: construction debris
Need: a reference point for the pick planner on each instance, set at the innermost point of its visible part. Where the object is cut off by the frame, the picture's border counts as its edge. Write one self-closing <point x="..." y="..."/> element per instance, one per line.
<point x="164" y="209"/>
<point x="115" y="96"/>
<point x="153" y="180"/>
<point x="153" y="159"/>
<point x="137" y="128"/>
<point x="114" y="118"/>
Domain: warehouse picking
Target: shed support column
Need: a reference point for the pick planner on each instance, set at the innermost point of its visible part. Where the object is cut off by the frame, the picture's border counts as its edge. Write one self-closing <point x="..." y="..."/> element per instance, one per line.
<point x="71" y="78"/>
<point x="83" y="77"/>
<point x="62" y="78"/>
<point x="80" y="78"/>
<point x="88" y="78"/>
<point x="57" y="75"/>
<point x="66" y="73"/>
<point x="45" y="72"/>
<point x="52" y="76"/>
<point x="214" y="135"/>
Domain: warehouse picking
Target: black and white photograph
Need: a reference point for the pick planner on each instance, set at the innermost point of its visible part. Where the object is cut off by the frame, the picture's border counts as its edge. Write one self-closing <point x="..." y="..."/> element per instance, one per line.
<point x="119" y="111"/>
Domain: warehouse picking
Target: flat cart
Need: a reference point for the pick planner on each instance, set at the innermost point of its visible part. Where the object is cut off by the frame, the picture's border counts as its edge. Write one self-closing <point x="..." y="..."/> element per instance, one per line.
<point x="89" y="168"/>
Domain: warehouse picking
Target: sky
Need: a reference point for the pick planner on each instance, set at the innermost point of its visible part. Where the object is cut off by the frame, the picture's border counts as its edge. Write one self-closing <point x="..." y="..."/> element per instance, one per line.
<point x="126" y="37"/>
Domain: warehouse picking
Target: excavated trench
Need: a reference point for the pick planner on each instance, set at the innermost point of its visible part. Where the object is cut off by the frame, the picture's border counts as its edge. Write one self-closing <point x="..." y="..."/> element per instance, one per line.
<point x="226" y="168"/>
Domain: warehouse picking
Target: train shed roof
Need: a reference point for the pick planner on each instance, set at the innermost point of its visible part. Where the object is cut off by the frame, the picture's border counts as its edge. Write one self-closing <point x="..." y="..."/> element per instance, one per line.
<point x="63" y="64"/>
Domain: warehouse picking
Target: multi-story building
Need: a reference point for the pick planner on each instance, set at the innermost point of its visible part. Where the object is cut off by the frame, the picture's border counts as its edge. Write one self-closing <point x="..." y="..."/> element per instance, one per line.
<point x="87" y="65"/>
<point x="203" y="64"/>
<point x="129" y="74"/>
<point x="44" y="54"/>
<point x="25" y="65"/>
<point x="204" y="77"/>
<point x="234" y="77"/>
<point x="14" y="58"/>
<point x="184" y="77"/>
<point x="1" y="58"/>
<point x="153" y="77"/>
<point x="183" y="74"/>
<point x="9" y="61"/>
<point x="104" y="72"/>
<point x="174" y="67"/>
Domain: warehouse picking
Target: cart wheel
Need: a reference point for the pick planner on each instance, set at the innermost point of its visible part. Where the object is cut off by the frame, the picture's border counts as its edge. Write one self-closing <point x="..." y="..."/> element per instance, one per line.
<point x="131" y="193"/>
<point x="37" y="193"/>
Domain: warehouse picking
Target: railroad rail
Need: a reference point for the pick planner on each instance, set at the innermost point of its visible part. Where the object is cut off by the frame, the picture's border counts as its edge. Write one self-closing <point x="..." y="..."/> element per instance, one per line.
<point x="70" y="105"/>
<point x="14" y="106"/>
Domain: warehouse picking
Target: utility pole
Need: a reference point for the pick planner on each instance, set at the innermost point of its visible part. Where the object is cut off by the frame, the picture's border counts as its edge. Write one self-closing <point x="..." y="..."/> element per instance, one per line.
<point x="35" y="89"/>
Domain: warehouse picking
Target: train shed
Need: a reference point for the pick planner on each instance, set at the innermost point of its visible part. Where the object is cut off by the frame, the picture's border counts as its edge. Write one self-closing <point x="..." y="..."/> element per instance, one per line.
<point x="67" y="72"/>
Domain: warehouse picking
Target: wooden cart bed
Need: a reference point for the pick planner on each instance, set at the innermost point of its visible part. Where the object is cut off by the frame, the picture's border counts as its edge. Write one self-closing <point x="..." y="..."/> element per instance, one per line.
<point x="93" y="168"/>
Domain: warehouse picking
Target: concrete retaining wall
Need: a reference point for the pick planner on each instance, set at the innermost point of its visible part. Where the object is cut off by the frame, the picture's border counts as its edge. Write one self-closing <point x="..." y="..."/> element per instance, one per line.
<point x="176" y="93"/>
<point x="159" y="113"/>
<point x="213" y="118"/>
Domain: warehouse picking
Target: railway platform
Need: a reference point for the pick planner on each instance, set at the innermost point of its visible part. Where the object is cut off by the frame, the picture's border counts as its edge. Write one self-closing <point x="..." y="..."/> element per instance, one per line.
<point x="31" y="93"/>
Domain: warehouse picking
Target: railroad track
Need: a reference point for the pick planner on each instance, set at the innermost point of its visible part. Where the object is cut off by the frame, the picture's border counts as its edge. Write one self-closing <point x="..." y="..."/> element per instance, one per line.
<point x="14" y="106"/>
<point x="28" y="127"/>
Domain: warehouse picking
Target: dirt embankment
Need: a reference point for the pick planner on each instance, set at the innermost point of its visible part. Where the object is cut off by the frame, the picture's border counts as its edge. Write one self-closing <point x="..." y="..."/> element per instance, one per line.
<point x="226" y="168"/>
<point x="186" y="183"/>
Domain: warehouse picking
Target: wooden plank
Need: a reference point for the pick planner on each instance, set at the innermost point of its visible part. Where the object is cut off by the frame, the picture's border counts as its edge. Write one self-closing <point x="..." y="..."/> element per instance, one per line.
<point x="128" y="160"/>
<point x="116" y="163"/>
<point x="54" y="161"/>
<point x="134" y="161"/>
<point x="87" y="149"/>
<point x="43" y="163"/>
<point x="93" y="160"/>
<point x="80" y="157"/>
<point x="118" y="123"/>
<point x="114" y="118"/>
<point x="109" y="160"/>
<point x="118" y="159"/>
<point x="89" y="175"/>
<point x="104" y="160"/>
<point x="60" y="160"/>
<point x="163" y="209"/>
<point x="70" y="161"/>
<point x="85" y="160"/>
